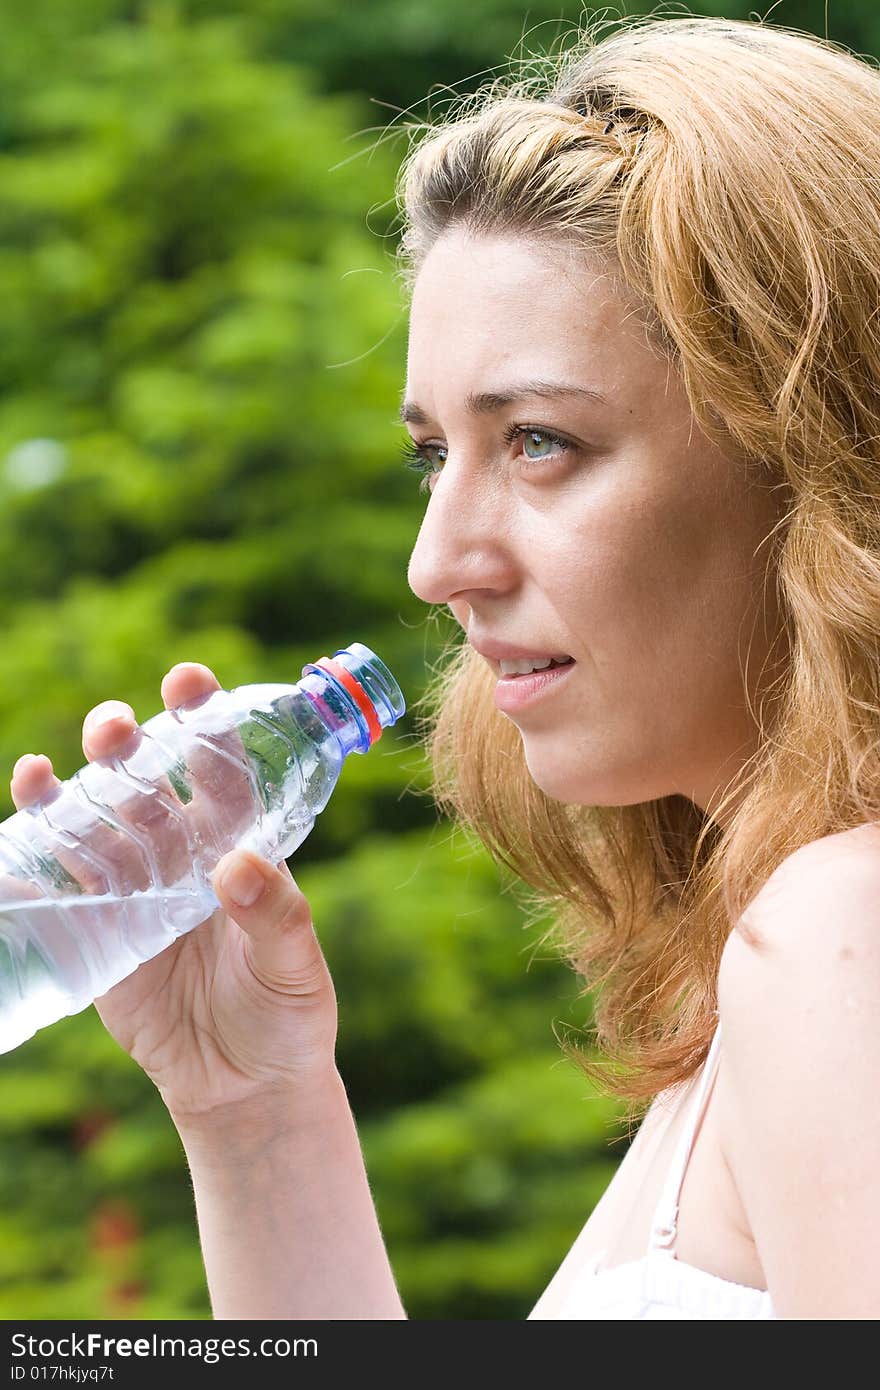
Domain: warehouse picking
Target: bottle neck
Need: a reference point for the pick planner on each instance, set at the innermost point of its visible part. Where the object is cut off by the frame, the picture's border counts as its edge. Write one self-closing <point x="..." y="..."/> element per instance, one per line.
<point x="337" y="710"/>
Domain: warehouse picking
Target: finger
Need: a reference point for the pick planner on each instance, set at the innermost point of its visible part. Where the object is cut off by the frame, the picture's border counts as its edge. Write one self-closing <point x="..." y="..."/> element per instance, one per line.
<point x="125" y="828"/>
<point x="32" y="778"/>
<point x="148" y="835"/>
<point x="32" y="782"/>
<point x="267" y="904"/>
<point x="187" y="684"/>
<point x="110" y="731"/>
<point x="107" y="728"/>
<point x="212" y="763"/>
<point x="187" y="681"/>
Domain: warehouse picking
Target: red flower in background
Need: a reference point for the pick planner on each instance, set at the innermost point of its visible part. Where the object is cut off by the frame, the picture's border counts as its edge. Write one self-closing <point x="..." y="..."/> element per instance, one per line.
<point x="115" y="1238"/>
<point x="90" y="1125"/>
<point x="114" y="1225"/>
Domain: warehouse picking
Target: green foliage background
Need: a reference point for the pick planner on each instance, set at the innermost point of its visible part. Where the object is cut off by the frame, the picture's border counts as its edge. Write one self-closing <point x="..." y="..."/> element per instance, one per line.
<point x="202" y="349"/>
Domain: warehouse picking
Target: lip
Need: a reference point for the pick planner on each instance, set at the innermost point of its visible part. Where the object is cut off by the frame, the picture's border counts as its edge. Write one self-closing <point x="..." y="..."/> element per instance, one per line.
<point x="513" y="693"/>
<point x="505" y="651"/>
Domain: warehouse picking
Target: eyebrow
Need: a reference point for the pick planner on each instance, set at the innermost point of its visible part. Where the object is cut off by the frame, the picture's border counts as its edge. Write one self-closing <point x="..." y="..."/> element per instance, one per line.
<point x="484" y="402"/>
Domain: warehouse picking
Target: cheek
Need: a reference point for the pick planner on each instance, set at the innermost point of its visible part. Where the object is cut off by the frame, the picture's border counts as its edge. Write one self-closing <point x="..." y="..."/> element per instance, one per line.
<point x="658" y="589"/>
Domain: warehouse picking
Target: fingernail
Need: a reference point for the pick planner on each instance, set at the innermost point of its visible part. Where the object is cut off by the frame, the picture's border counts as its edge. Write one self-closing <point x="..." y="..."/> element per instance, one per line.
<point x="189" y="666"/>
<point x="243" y="883"/>
<point x="23" y="762"/>
<point x="103" y="714"/>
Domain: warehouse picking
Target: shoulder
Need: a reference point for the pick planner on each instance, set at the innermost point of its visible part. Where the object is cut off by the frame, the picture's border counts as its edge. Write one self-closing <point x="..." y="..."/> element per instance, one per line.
<point x="799" y="1008"/>
<point x="814" y="927"/>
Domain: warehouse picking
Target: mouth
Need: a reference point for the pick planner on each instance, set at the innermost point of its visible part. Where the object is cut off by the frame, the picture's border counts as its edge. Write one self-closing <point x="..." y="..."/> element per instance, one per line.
<point x="519" y="690"/>
<point x="522" y="670"/>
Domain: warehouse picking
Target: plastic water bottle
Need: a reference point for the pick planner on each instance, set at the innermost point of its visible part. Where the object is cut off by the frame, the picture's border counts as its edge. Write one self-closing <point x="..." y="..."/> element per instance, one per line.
<point x="114" y="864"/>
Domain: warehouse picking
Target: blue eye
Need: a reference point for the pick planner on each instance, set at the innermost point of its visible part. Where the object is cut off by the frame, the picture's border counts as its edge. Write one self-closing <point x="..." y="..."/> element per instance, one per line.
<point x="535" y="434"/>
<point x="417" y="456"/>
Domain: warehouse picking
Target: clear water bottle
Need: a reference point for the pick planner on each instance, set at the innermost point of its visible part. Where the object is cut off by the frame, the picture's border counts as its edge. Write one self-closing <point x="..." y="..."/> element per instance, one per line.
<point x="114" y="864"/>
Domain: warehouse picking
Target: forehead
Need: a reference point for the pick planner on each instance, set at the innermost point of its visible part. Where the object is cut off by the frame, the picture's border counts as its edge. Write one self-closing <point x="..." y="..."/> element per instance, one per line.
<point x="507" y="275"/>
<point x="514" y="307"/>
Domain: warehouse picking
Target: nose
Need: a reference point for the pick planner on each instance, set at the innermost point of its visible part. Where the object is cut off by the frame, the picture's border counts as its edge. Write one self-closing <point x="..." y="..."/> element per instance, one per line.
<point x="462" y="543"/>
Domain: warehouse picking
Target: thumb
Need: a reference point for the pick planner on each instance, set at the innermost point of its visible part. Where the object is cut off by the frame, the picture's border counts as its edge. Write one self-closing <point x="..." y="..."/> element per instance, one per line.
<point x="281" y="947"/>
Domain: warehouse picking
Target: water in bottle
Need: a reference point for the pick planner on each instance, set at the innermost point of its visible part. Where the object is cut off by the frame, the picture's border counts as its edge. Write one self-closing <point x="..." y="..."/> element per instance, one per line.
<point x="114" y="864"/>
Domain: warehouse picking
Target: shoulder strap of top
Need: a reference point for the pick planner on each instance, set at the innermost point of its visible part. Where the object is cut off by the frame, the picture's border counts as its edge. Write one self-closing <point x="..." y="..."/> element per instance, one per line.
<point x="665" y="1222"/>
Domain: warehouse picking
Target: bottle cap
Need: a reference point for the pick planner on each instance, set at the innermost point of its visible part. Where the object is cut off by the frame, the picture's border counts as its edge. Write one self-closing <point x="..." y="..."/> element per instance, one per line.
<point x="357" y="693"/>
<point x="361" y="680"/>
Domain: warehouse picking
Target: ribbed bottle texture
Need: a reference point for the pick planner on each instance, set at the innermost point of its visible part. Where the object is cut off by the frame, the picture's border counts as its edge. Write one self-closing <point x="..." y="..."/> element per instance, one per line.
<point x="116" y="863"/>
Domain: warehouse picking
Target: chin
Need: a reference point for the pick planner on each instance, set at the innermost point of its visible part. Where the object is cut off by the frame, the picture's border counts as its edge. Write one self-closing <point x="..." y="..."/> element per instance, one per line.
<point x="572" y="784"/>
<point x="559" y="780"/>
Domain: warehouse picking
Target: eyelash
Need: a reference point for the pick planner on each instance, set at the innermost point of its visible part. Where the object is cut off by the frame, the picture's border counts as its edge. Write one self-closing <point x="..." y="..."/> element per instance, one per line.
<point x="413" y="455"/>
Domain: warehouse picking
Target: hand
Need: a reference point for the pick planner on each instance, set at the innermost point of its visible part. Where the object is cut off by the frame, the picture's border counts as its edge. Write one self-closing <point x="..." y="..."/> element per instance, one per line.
<point x="237" y="1008"/>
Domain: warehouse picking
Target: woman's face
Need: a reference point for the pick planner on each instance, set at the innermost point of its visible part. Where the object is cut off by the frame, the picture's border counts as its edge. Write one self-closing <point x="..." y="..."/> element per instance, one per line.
<point x="634" y="546"/>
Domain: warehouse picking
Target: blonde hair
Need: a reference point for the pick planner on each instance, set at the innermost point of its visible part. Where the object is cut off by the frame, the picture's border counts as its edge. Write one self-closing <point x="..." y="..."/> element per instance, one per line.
<point x="732" y="169"/>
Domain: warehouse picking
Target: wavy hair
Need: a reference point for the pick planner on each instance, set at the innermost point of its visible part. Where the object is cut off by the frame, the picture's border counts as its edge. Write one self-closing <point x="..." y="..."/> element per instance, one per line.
<point x="731" y="172"/>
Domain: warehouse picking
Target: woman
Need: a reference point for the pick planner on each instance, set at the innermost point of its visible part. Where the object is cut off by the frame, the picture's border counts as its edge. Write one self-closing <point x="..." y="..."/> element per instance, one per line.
<point x="642" y="387"/>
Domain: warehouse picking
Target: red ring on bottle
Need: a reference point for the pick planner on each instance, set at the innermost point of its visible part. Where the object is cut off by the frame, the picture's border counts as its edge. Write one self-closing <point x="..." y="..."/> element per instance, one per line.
<point x="357" y="693"/>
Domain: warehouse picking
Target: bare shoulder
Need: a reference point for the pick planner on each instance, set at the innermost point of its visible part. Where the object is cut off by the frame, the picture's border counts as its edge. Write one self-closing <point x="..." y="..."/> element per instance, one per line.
<point x="816" y="919"/>
<point x="799" y="1008"/>
<point x="802" y="981"/>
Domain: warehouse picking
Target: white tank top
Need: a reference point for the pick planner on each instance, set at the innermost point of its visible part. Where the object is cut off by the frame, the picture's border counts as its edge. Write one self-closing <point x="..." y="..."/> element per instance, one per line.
<point x="659" y="1285"/>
